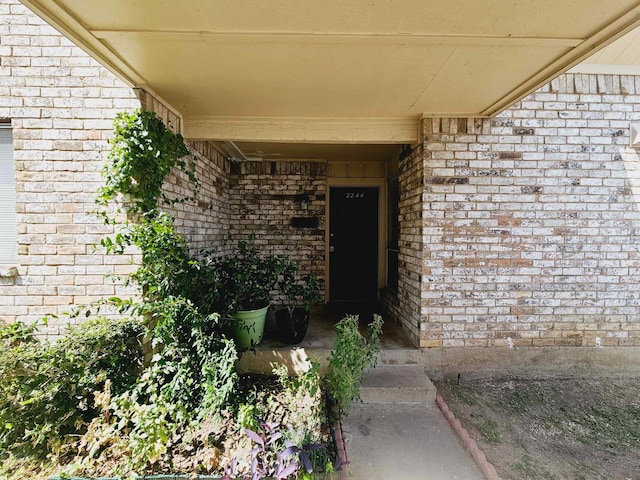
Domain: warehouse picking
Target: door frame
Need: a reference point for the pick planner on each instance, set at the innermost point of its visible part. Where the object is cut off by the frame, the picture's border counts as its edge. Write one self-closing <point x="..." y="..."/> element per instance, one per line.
<point x="381" y="184"/>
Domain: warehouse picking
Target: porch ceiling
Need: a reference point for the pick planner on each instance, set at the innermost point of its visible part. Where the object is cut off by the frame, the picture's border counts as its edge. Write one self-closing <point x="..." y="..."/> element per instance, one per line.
<point x="321" y="152"/>
<point x="619" y="57"/>
<point x="336" y="71"/>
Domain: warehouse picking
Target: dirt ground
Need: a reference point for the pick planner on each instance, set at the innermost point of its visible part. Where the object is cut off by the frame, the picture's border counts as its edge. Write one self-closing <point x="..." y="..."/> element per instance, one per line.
<point x="552" y="429"/>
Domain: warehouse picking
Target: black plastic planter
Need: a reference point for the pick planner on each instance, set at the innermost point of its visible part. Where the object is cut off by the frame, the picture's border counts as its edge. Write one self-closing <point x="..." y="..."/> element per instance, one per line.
<point x="292" y="325"/>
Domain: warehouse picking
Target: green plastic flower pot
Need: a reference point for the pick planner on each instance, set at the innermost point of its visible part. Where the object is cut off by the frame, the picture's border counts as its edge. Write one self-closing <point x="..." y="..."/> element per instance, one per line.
<point x="248" y="327"/>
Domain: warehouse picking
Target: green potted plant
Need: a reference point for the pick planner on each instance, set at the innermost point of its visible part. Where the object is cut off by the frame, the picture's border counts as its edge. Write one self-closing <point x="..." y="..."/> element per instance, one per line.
<point x="292" y="320"/>
<point x="244" y="283"/>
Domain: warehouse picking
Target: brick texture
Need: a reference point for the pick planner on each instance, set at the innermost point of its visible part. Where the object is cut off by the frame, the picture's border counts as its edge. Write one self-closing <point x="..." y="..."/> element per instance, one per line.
<point x="264" y="198"/>
<point x="205" y="220"/>
<point x="406" y="306"/>
<point x="61" y="104"/>
<point x="520" y="230"/>
<point x="530" y="226"/>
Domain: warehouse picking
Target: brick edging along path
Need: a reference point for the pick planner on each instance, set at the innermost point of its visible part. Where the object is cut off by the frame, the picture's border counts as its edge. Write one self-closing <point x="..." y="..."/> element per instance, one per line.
<point x="469" y="443"/>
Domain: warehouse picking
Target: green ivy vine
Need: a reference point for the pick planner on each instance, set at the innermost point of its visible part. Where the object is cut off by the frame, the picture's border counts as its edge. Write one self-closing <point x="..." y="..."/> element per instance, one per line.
<point x="143" y="152"/>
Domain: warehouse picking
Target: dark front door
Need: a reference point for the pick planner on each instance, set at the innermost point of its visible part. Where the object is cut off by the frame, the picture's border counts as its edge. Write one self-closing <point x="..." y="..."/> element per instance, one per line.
<point x="353" y="244"/>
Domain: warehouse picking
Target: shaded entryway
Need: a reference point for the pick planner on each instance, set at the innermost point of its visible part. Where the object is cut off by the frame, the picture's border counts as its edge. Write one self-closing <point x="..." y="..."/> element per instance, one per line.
<point x="322" y="333"/>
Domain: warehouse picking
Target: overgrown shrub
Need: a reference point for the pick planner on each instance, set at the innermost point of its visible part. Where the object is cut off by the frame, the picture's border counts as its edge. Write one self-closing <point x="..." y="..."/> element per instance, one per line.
<point x="47" y="390"/>
<point x="106" y="348"/>
<point x="176" y="415"/>
<point x="192" y="346"/>
<point x="191" y="377"/>
<point x="244" y="278"/>
<point x="192" y="374"/>
<point x="351" y="354"/>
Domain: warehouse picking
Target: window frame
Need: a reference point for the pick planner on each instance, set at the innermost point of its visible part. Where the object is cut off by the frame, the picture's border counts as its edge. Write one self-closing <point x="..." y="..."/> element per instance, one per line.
<point x="8" y="215"/>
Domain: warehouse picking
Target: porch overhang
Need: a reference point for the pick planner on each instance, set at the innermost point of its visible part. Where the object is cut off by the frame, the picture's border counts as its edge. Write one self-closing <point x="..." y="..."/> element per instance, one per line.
<point x="336" y="71"/>
<point x="621" y="57"/>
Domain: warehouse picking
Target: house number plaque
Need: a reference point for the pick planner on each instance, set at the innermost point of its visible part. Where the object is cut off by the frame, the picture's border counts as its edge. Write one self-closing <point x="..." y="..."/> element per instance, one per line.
<point x="354" y="195"/>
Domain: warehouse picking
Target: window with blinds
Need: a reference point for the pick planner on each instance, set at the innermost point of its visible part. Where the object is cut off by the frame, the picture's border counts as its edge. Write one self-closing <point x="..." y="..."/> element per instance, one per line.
<point x="8" y="223"/>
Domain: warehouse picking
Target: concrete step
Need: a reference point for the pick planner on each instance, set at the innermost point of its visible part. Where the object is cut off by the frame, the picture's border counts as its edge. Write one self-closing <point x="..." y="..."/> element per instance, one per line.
<point x="405" y="383"/>
<point x="262" y="359"/>
<point x="399" y="356"/>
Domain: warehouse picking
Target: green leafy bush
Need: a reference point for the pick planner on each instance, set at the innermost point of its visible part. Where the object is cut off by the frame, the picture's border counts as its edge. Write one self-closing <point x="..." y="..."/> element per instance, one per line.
<point x="193" y="347"/>
<point x="192" y="373"/>
<point x="244" y="279"/>
<point x="106" y="348"/>
<point x="351" y="354"/>
<point x="190" y="378"/>
<point x="47" y="390"/>
<point x="166" y="269"/>
<point x="299" y="291"/>
<point x="171" y="418"/>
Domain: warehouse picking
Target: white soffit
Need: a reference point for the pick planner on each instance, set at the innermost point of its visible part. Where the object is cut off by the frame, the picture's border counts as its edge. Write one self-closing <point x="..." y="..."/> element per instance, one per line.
<point x="337" y="71"/>
<point x="621" y="57"/>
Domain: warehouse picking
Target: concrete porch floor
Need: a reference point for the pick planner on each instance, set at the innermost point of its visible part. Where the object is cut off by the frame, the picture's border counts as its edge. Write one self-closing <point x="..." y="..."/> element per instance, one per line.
<point x="321" y="333"/>
<point x="395" y="347"/>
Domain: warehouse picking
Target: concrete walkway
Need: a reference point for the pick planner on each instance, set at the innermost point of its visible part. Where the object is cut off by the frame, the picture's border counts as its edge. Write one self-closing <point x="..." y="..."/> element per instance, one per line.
<point x="399" y="433"/>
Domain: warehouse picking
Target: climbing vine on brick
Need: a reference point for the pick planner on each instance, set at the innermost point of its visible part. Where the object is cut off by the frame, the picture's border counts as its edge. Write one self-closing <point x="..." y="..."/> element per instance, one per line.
<point x="143" y="152"/>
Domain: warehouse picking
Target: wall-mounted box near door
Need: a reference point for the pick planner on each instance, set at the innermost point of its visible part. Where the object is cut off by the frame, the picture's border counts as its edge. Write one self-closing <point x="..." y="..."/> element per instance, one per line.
<point x="304" y="222"/>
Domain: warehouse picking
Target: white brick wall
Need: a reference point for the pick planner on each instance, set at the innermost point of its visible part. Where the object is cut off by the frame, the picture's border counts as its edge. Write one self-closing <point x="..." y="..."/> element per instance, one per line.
<point x="405" y="306"/>
<point x="531" y="221"/>
<point x="61" y="104"/>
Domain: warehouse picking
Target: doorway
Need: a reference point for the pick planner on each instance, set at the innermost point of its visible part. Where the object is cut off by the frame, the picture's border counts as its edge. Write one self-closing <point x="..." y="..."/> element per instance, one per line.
<point x="353" y="244"/>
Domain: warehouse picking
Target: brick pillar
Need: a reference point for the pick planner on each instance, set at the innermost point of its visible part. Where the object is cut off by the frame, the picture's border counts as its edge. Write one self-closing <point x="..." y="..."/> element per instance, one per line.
<point x="408" y="305"/>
